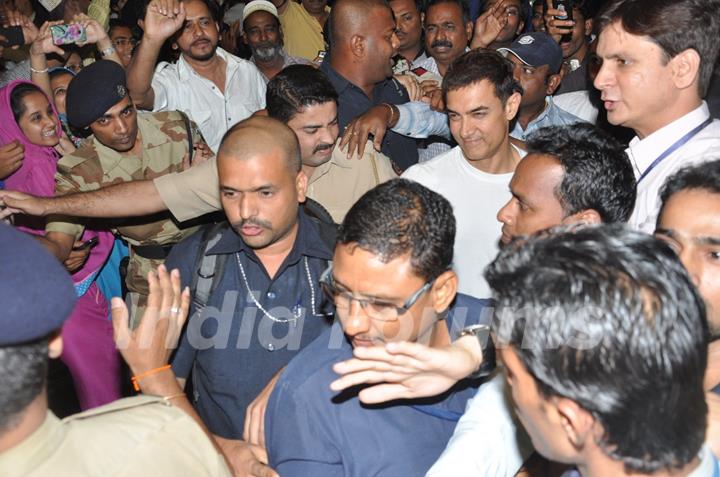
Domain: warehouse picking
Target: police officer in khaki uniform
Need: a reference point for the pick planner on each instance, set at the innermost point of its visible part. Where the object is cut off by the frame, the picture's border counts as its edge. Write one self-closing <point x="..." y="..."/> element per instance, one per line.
<point x="143" y="435"/>
<point x="125" y="146"/>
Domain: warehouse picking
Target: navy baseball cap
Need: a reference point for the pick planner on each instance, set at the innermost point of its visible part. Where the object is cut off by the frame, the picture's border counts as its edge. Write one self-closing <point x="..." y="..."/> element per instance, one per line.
<point x="36" y="293"/>
<point x="536" y="49"/>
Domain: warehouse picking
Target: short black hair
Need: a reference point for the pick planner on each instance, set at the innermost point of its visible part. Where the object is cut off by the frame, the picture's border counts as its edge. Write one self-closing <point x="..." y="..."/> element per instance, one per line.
<point x="400" y="217"/>
<point x="674" y="26"/>
<point x="705" y="176"/>
<point x="213" y="7"/>
<point x="462" y="4"/>
<point x="609" y="318"/>
<point x="419" y="5"/>
<point x="296" y="87"/>
<point x="24" y="369"/>
<point x="481" y="64"/>
<point x="597" y="172"/>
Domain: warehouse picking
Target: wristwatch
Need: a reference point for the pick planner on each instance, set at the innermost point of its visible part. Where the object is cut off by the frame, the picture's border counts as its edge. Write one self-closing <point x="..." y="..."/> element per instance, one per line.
<point x="482" y="334"/>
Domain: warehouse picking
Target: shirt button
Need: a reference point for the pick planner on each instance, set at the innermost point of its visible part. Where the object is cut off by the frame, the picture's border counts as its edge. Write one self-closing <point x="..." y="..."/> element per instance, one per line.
<point x="271" y="295"/>
<point x="270" y="347"/>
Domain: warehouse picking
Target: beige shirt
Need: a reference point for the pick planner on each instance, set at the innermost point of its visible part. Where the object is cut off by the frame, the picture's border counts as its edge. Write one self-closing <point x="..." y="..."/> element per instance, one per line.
<point x="337" y="184"/>
<point x="131" y="437"/>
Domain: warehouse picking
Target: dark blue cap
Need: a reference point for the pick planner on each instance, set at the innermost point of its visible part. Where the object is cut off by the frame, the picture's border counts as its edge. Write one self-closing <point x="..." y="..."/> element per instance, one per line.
<point x="36" y="293"/>
<point x="536" y="49"/>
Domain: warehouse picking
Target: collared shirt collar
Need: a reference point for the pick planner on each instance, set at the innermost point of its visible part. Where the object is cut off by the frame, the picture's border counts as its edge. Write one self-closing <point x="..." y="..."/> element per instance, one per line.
<point x="307" y="242"/>
<point x="185" y="70"/>
<point x="338" y="159"/>
<point x="35" y="449"/>
<point x="643" y="152"/>
<point x="150" y="137"/>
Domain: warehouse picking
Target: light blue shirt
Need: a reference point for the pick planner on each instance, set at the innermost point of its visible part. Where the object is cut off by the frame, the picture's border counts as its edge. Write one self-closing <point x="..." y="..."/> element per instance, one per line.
<point x="552" y="115"/>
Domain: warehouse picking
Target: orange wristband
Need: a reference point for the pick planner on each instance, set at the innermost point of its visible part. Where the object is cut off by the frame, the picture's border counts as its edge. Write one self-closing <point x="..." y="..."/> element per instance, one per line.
<point x="137" y="378"/>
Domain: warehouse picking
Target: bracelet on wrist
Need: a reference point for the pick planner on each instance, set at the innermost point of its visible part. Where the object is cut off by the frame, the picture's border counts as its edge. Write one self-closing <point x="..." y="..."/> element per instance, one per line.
<point x="392" y="114"/>
<point x="38" y="72"/>
<point x="135" y="379"/>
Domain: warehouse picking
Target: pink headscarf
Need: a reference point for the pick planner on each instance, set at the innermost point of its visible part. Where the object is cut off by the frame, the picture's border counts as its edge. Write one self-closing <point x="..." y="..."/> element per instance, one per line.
<point x="36" y="176"/>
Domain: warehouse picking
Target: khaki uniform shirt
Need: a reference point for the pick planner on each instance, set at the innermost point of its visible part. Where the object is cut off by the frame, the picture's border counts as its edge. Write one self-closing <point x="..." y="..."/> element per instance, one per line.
<point x="337" y="184"/>
<point x="131" y="437"/>
<point x="94" y="165"/>
<point x="302" y="32"/>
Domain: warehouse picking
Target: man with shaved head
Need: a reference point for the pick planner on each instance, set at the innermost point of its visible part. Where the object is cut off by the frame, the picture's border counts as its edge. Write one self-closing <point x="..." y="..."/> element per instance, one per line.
<point x="362" y="46"/>
<point x="265" y="302"/>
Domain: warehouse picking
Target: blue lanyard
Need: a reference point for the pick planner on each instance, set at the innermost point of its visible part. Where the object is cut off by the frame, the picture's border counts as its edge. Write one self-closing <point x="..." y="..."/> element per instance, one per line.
<point x="680" y="143"/>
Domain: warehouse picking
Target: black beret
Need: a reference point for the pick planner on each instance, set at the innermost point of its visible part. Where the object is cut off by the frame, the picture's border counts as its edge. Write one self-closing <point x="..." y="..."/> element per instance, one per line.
<point x="36" y="293"/>
<point x="97" y="88"/>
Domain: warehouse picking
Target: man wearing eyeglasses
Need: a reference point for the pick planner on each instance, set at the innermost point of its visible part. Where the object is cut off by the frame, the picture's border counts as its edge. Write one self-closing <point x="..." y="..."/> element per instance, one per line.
<point x="391" y="280"/>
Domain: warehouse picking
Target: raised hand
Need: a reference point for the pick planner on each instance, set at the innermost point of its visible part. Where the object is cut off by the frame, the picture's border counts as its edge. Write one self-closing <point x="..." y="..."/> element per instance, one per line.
<point x="15" y="18"/>
<point x="489" y="25"/>
<point x="93" y="30"/>
<point x="43" y="42"/>
<point x="163" y="18"/>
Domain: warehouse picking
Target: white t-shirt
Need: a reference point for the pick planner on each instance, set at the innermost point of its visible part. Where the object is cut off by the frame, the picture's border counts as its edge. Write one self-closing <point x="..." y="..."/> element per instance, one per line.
<point x="488" y="440"/>
<point x="703" y="147"/>
<point x="178" y="87"/>
<point x="476" y="198"/>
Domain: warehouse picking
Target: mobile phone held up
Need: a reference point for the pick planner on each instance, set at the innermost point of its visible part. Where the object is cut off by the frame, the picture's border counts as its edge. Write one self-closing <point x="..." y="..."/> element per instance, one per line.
<point x="567" y="7"/>
<point x="66" y="34"/>
<point x="13" y="36"/>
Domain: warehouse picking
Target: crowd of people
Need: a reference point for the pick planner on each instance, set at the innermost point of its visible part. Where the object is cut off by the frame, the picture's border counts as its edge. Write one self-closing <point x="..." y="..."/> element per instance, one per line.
<point x="360" y="237"/>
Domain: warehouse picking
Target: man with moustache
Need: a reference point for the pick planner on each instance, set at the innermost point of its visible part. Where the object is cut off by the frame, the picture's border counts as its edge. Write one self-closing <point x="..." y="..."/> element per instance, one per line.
<point x="658" y="58"/>
<point x="263" y="34"/>
<point x="409" y="16"/>
<point x="390" y="280"/>
<point x="301" y="97"/>
<point x="266" y="304"/>
<point x="212" y="87"/>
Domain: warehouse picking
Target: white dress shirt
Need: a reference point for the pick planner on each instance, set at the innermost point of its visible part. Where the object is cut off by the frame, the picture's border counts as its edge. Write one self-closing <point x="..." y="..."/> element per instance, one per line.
<point x="703" y="147"/>
<point x="178" y="87"/>
<point x="488" y="440"/>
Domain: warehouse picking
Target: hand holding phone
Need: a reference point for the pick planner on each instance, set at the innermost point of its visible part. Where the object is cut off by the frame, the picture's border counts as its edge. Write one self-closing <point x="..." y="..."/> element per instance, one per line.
<point x="87" y="244"/>
<point x="67" y="34"/>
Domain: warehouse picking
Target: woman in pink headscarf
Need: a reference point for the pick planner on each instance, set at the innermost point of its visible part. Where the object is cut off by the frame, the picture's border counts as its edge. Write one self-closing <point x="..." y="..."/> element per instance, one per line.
<point x="28" y="116"/>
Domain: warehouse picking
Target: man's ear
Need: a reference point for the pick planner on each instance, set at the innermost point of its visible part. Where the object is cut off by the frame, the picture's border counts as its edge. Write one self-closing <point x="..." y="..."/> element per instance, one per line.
<point x="357" y="46"/>
<point x="55" y="345"/>
<point x="444" y="290"/>
<point x="685" y="68"/>
<point x="244" y="38"/>
<point x="577" y="424"/>
<point x="588" y="26"/>
<point x="521" y="26"/>
<point x="553" y="82"/>
<point x="301" y="182"/>
<point x="511" y="105"/>
<point x="587" y="216"/>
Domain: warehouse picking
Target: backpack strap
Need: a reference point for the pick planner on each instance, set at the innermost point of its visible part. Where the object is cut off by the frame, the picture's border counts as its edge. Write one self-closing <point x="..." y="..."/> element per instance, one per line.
<point x="209" y="269"/>
<point x="327" y="227"/>
<point x="188" y="128"/>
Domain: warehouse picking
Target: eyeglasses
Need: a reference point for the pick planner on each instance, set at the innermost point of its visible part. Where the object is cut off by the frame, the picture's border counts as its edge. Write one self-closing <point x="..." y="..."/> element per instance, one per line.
<point x="122" y="42"/>
<point x="375" y="308"/>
